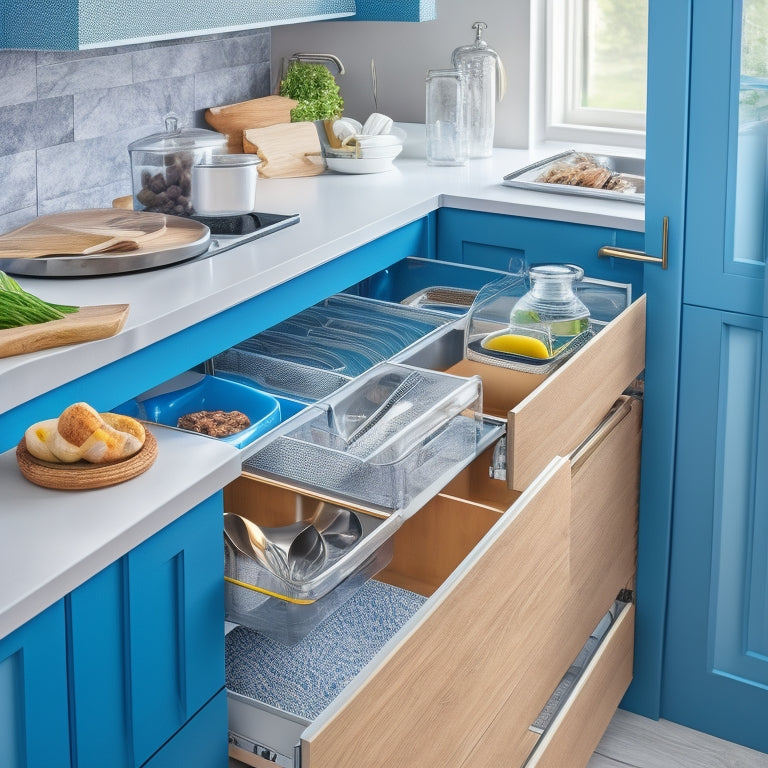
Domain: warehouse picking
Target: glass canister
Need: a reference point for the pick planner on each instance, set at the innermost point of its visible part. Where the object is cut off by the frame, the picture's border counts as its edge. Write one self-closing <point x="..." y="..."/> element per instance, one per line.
<point x="485" y="83"/>
<point x="161" y="166"/>
<point x="446" y="130"/>
<point x="551" y="309"/>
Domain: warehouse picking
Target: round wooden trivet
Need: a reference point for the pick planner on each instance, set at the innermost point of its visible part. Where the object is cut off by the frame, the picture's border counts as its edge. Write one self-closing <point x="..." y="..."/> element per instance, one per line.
<point x="83" y="475"/>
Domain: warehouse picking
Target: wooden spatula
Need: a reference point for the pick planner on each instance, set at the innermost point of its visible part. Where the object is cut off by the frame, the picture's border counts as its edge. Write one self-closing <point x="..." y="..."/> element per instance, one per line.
<point x="64" y="243"/>
<point x="83" y="233"/>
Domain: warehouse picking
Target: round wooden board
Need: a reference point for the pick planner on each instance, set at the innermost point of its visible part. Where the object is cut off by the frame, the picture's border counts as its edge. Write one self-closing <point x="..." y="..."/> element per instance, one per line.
<point x="83" y="475"/>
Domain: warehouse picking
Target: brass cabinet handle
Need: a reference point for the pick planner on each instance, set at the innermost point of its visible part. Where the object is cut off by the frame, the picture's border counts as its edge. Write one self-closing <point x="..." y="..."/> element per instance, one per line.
<point x="627" y="253"/>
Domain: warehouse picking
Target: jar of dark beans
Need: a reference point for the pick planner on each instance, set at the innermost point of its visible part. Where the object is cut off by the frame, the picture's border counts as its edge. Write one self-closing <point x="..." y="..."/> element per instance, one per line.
<point x="161" y="166"/>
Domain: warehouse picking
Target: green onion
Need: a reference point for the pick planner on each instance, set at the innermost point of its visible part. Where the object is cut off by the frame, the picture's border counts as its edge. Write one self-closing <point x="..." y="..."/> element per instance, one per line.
<point x="18" y="308"/>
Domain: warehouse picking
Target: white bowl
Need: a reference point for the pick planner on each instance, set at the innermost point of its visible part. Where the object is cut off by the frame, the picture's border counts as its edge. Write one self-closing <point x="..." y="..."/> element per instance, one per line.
<point x="359" y="164"/>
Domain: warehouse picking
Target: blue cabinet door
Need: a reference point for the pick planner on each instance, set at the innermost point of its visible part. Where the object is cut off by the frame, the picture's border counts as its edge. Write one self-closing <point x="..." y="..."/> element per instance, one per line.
<point x="176" y="620"/>
<point x="97" y="621"/>
<point x="666" y="169"/>
<point x="716" y="662"/>
<point x="728" y="160"/>
<point x="715" y="670"/>
<point x="34" y="720"/>
<point x="147" y="643"/>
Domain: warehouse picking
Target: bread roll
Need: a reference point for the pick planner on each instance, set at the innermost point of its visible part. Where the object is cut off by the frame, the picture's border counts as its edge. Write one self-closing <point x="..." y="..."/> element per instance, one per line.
<point x="39" y="437"/>
<point x="81" y="433"/>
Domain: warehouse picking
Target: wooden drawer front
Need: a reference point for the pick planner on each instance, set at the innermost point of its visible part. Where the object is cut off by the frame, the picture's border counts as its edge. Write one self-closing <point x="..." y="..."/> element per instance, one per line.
<point x="555" y="418"/>
<point x="476" y="650"/>
<point x="579" y="726"/>
<point x="602" y="547"/>
<point x="605" y="493"/>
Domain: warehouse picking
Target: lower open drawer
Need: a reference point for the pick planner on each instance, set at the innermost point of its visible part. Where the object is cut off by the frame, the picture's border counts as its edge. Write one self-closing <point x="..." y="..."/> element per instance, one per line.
<point x="498" y="590"/>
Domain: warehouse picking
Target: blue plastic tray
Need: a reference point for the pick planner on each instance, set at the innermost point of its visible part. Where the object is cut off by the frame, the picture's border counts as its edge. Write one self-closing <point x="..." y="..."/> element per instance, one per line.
<point x="210" y="394"/>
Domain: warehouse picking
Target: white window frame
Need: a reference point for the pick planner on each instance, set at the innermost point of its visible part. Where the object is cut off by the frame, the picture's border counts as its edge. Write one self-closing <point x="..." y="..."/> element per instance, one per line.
<point x="565" y="119"/>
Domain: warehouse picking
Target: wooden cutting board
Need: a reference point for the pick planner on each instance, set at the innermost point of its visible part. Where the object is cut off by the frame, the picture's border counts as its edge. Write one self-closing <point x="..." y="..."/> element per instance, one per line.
<point x="160" y="241"/>
<point x="285" y="149"/>
<point x="100" y="230"/>
<point x="87" y="324"/>
<point x="233" y="119"/>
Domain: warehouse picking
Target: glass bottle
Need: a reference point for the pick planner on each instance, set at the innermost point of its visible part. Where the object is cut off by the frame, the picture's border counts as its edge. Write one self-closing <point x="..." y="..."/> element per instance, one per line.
<point x="551" y="308"/>
<point x="480" y="66"/>
<point x="446" y="130"/>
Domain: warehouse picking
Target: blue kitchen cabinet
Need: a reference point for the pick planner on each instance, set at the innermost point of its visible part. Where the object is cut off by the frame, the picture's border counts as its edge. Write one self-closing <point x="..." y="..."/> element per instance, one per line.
<point x="79" y="24"/>
<point x="507" y="242"/>
<point x="395" y="10"/>
<point x="147" y="648"/>
<point x="716" y="670"/>
<point x="34" y="730"/>
<point x="716" y="640"/>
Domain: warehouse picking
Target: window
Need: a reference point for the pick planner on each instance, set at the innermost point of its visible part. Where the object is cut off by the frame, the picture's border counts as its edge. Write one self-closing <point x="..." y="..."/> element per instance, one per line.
<point x="596" y="69"/>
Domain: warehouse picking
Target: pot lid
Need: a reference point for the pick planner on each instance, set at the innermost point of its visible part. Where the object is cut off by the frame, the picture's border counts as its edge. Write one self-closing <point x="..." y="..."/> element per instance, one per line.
<point x="173" y="138"/>
<point x="229" y="161"/>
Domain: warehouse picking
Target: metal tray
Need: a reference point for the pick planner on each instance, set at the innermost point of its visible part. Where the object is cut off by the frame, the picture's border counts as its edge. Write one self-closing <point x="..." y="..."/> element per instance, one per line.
<point x="186" y="239"/>
<point x="634" y="167"/>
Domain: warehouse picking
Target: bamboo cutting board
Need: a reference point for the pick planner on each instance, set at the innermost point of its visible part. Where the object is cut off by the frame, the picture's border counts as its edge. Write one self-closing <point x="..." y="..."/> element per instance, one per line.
<point x="87" y="324"/>
<point x="83" y="233"/>
<point x="160" y="240"/>
<point x="285" y="149"/>
<point x="233" y="119"/>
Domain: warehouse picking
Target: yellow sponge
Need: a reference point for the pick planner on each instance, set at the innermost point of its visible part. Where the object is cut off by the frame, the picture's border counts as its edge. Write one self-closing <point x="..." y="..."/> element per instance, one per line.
<point x="517" y="344"/>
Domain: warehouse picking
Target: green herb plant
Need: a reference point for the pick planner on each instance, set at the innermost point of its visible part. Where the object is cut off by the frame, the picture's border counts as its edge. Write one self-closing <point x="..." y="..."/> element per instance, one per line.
<point x="18" y="308"/>
<point x="315" y="88"/>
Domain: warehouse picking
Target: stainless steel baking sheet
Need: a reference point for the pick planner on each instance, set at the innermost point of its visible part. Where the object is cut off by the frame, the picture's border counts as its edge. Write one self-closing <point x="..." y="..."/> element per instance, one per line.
<point x="632" y="167"/>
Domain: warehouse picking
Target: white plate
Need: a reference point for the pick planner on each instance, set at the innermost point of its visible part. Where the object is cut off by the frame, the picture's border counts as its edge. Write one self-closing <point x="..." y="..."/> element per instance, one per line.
<point x="359" y="165"/>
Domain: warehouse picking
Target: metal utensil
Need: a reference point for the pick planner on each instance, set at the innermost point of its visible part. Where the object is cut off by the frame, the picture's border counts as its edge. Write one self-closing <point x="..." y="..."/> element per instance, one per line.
<point x="340" y="527"/>
<point x="292" y="552"/>
<point x="295" y="552"/>
<point x="397" y="394"/>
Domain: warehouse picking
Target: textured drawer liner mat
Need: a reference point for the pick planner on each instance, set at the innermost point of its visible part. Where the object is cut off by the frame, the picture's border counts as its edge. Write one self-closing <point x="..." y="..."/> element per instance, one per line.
<point x="305" y="678"/>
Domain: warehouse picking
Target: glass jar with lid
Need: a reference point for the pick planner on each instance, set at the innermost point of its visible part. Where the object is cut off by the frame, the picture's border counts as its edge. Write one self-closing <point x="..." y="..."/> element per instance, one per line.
<point x="161" y="166"/>
<point x="485" y="84"/>
<point x="551" y="306"/>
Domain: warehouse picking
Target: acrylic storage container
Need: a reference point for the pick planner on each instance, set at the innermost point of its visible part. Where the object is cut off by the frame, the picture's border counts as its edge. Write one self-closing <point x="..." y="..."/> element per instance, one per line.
<point x="161" y="166"/>
<point x="535" y="321"/>
<point x="356" y="545"/>
<point x="313" y="353"/>
<point x="384" y="439"/>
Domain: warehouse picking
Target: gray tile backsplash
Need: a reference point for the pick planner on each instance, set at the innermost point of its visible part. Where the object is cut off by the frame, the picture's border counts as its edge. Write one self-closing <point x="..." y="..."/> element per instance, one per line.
<point x="66" y="118"/>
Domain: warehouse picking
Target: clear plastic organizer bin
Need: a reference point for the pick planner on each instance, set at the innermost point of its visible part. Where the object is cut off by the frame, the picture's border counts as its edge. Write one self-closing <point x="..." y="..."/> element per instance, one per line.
<point x="383" y="439"/>
<point x="287" y="621"/>
<point x="260" y="594"/>
<point x="320" y="349"/>
<point x="444" y="286"/>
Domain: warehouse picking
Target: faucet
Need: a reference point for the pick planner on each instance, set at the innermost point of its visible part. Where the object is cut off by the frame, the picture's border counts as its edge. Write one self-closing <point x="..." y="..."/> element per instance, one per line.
<point x="319" y="57"/>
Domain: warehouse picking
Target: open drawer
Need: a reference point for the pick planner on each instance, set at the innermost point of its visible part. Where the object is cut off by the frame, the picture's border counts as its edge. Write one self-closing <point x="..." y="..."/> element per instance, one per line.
<point x="507" y="587"/>
<point x="548" y="415"/>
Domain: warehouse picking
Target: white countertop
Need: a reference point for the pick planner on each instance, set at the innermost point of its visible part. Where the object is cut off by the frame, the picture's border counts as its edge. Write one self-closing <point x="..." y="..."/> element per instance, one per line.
<point x="338" y="213"/>
<point x="52" y="541"/>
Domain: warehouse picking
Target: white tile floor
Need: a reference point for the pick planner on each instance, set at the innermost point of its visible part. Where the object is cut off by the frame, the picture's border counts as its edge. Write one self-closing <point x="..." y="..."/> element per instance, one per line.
<point x="636" y="742"/>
